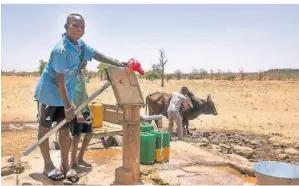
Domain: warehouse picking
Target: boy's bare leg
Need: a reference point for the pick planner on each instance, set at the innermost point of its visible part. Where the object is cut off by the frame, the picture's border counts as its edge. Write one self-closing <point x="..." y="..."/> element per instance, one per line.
<point x="64" y="142"/>
<point x="178" y="121"/>
<point x="83" y="149"/>
<point x="170" y="125"/>
<point x="74" y="148"/>
<point x="45" y="149"/>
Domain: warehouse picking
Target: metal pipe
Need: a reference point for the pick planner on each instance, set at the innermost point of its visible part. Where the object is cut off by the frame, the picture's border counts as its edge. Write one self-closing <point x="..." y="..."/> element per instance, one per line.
<point x="151" y="117"/>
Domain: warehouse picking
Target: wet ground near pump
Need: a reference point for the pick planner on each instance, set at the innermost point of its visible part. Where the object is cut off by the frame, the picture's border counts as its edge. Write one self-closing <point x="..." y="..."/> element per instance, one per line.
<point x="272" y="147"/>
<point x="171" y="172"/>
<point x="191" y="161"/>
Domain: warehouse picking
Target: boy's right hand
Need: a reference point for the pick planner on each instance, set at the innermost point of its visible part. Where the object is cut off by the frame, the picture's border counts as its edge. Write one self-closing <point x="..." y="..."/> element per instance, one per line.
<point x="69" y="113"/>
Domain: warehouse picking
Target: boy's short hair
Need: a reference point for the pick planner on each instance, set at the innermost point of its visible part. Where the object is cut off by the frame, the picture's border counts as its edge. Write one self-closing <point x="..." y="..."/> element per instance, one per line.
<point x="184" y="88"/>
<point x="69" y="17"/>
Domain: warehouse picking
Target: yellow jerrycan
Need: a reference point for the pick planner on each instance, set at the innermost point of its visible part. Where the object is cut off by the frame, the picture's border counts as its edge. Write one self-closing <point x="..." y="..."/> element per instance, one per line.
<point x="97" y="113"/>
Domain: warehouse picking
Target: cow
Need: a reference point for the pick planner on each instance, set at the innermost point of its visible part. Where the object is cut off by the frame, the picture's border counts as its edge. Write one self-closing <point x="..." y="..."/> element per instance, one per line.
<point x="157" y="103"/>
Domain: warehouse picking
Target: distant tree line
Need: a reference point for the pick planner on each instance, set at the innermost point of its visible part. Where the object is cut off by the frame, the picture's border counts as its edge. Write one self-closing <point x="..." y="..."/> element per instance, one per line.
<point x="158" y="72"/>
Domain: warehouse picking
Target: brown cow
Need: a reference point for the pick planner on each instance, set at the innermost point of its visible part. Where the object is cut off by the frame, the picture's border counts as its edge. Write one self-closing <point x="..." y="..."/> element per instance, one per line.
<point x="157" y="103"/>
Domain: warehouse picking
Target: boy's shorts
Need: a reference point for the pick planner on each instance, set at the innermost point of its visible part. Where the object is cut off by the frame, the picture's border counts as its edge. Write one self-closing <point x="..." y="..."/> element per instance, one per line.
<point x="78" y="128"/>
<point x="49" y="114"/>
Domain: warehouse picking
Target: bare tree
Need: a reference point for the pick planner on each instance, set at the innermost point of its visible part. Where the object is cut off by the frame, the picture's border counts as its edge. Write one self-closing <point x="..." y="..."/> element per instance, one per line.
<point x="219" y="71"/>
<point x="242" y="74"/>
<point x="163" y="61"/>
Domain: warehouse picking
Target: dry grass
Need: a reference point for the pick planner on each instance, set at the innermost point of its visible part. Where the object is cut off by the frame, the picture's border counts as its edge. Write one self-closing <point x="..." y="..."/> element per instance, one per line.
<point x="251" y="106"/>
<point x="256" y="106"/>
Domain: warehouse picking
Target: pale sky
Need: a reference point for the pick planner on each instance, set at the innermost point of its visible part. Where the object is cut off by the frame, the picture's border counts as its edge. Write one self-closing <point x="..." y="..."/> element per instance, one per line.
<point x="226" y="37"/>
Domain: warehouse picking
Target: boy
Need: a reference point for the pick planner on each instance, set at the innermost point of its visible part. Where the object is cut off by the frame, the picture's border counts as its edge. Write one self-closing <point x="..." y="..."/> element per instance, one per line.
<point x="54" y="92"/>
<point x="175" y="102"/>
<point x="82" y="125"/>
<point x="189" y="95"/>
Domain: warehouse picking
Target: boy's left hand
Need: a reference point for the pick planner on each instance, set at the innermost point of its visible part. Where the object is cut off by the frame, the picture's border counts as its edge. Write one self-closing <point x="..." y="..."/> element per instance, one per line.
<point x="123" y="64"/>
<point x="80" y="118"/>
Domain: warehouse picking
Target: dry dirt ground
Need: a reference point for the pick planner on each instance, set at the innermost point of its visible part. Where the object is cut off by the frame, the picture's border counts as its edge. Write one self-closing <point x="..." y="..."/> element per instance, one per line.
<point x="251" y="106"/>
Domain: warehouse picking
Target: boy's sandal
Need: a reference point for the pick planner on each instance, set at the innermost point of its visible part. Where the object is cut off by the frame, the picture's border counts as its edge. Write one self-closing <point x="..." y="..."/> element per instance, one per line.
<point x="72" y="176"/>
<point x="55" y="175"/>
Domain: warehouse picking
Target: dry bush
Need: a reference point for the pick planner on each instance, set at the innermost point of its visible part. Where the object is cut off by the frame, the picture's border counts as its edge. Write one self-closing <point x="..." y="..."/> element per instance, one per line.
<point x="178" y="74"/>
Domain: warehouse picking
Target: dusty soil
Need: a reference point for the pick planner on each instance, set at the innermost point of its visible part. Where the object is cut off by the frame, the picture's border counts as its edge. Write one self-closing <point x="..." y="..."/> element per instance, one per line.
<point x="265" y="107"/>
<point x="254" y="147"/>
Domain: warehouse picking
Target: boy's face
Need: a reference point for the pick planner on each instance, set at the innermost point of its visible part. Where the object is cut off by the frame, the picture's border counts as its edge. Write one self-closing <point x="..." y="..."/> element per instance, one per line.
<point x="75" y="28"/>
<point x="184" y="91"/>
<point x="84" y="64"/>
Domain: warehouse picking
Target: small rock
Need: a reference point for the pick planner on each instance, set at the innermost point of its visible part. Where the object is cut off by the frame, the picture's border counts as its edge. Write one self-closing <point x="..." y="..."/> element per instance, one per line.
<point x="253" y="146"/>
<point x="225" y="151"/>
<point x="215" y="141"/>
<point x="11" y="159"/>
<point x="297" y="145"/>
<point x="246" y="152"/>
<point x="253" y="142"/>
<point x="276" y="145"/>
<point x="202" y="144"/>
<point x="8" y="159"/>
<point x="291" y="151"/>
<point x="147" y="179"/>
<point x="216" y="148"/>
<point x="264" y="141"/>
<point x="144" y="172"/>
<point x="12" y="168"/>
<point x="210" y="138"/>
<point x="163" y="182"/>
<point x="206" y="134"/>
<point x="278" y="151"/>
<point x="237" y="157"/>
<point x="225" y="146"/>
<point x="155" y="177"/>
<point x="222" y="139"/>
<point x="281" y="141"/>
<point x="231" y="140"/>
<point x="204" y="140"/>
<point x="282" y="156"/>
<point x="228" y="134"/>
<point x="245" y="140"/>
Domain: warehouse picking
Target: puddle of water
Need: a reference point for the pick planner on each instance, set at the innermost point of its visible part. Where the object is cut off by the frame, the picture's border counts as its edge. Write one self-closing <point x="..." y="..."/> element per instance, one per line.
<point x="246" y="179"/>
<point x="101" y="155"/>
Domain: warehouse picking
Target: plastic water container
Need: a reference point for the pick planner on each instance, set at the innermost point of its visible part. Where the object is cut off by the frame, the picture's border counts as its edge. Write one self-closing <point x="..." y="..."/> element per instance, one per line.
<point x="146" y="127"/>
<point x="161" y="135"/>
<point x="96" y="110"/>
<point x="147" y="148"/>
<point x="162" y="155"/>
<point x="276" y="173"/>
<point x="162" y="146"/>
